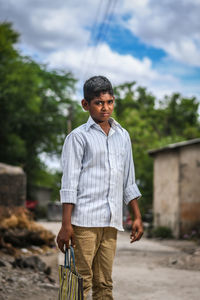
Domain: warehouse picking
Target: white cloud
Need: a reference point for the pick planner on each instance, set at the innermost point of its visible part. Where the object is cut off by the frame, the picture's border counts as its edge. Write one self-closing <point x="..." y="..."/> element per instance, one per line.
<point x="118" y="68"/>
<point x="58" y="32"/>
<point x="185" y="50"/>
<point x="50" y="25"/>
<point x="170" y="25"/>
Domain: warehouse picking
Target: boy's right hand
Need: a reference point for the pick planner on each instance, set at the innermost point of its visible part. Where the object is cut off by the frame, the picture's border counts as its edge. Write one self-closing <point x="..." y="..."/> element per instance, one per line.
<point x="65" y="235"/>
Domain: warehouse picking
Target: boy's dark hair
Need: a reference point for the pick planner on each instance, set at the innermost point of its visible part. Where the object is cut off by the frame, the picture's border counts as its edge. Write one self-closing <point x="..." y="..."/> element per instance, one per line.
<point x="96" y="85"/>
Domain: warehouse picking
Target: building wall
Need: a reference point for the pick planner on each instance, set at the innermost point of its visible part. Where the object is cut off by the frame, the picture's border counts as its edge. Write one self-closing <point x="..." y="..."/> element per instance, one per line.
<point x="41" y="194"/>
<point x="12" y="185"/>
<point x="54" y="212"/>
<point x="166" y="190"/>
<point x="189" y="187"/>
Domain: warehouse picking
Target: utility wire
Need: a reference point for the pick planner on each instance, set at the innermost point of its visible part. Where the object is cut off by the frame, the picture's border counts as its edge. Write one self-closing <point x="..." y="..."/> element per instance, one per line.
<point x="107" y="27"/>
<point x="105" y="30"/>
<point x="103" y="23"/>
<point x="102" y="30"/>
<point x="86" y="52"/>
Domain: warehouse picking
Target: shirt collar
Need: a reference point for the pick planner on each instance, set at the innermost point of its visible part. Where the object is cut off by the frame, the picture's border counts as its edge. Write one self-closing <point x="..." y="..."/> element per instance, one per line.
<point x="112" y="122"/>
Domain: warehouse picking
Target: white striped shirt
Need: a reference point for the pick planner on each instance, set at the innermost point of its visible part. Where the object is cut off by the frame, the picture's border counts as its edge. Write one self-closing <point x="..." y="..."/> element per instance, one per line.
<point x="98" y="174"/>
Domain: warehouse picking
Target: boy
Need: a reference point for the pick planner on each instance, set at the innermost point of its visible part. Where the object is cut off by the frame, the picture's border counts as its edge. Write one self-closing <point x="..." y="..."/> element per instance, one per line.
<point x="98" y="173"/>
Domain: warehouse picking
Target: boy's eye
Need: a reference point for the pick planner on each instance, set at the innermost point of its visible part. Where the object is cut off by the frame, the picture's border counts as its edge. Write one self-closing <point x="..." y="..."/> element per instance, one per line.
<point x="103" y="102"/>
<point x="99" y="102"/>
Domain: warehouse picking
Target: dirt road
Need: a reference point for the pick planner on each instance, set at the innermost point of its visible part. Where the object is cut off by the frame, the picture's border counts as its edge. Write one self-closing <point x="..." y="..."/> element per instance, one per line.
<point x="153" y="270"/>
<point x="150" y="270"/>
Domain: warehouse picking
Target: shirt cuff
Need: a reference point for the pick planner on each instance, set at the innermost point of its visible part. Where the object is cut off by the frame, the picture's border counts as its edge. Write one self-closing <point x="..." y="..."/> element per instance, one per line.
<point x="68" y="196"/>
<point x="131" y="192"/>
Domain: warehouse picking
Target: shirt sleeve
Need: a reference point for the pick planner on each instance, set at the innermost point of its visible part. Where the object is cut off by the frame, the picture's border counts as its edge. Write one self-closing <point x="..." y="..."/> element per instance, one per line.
<point x="71" y="161"/>
<point x="131" y="190"/>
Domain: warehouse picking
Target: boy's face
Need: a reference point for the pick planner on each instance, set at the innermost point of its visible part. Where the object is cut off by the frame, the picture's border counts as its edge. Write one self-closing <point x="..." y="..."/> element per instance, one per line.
<point x="100" y="108"/>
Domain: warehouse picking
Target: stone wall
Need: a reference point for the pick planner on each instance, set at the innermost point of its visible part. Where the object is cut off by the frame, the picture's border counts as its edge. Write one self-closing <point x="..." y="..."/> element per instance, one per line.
<point x="12" y="185"/>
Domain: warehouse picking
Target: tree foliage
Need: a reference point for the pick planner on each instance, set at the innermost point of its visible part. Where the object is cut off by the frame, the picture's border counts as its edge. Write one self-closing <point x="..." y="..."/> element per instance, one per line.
<point x="34" y="104"/>
<point x="152" y="124"/>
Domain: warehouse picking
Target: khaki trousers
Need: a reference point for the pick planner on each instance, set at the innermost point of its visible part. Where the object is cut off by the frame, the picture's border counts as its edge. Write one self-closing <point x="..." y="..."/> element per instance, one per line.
<point x="94" y="254"/>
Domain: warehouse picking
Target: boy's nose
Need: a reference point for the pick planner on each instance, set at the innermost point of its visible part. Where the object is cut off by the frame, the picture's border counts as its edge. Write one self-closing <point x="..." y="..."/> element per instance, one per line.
<point x="105" y="107"/>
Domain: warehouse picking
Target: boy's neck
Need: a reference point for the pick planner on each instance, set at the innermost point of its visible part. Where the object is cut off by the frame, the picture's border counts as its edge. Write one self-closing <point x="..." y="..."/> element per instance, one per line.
<point x="104" y="125"/>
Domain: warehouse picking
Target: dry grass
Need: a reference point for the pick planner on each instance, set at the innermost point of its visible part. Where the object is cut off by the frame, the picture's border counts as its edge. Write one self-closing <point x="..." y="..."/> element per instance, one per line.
<point x="14" y="219"/>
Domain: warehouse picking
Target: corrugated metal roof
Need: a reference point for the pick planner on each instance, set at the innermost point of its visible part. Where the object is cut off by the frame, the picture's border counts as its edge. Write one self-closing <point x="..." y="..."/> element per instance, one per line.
<point x="174" y="146"/>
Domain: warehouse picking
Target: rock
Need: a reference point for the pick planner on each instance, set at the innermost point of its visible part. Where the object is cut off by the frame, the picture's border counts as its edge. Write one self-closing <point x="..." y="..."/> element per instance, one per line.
<point x="2" y="264"/>
<point x="47" y="271"/>
<point x="24" y="250"/>
<point x="48" y="285"/>
<point x="174" y="261"/>
<point x="197" y="252"/>
<point x="51" y="279"/>
<point x="31" y="262"/>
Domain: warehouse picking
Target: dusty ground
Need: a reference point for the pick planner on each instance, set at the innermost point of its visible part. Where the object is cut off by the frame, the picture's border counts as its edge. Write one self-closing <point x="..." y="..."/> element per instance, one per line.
<point x="154" y="270"/>
<point x="27" y="284"/>
<point x="147" y="270"/>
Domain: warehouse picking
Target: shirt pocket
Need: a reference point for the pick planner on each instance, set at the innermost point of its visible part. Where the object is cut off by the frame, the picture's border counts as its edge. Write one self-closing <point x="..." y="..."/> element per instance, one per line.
<point x="118" y="158"/>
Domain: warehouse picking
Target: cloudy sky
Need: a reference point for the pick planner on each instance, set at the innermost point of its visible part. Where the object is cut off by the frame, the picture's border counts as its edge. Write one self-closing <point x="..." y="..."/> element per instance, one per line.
<point x="155" y="43"/>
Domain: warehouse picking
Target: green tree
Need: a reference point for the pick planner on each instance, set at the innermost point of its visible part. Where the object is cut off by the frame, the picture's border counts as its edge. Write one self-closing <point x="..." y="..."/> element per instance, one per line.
<point x="152" y="124"/>
<point x="34" y="105"/>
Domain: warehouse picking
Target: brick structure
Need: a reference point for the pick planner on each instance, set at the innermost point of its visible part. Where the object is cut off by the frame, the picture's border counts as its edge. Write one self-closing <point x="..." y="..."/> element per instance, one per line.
<point x="12" y="185"/>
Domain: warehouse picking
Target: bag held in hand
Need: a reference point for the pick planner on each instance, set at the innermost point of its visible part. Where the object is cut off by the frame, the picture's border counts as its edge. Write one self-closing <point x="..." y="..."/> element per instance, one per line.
<point x="71" y="283"/>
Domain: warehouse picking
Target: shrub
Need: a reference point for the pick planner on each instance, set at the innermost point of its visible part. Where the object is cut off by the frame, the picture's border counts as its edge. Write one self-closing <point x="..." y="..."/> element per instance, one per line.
<point x="162" y="232"/>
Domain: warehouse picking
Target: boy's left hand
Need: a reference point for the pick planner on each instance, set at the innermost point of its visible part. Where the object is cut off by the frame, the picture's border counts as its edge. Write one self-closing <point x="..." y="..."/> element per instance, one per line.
<point x="137" y="230"/>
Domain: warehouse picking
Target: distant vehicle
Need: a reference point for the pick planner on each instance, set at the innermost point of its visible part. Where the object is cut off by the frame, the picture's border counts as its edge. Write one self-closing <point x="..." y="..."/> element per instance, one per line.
<point x="31" y="204"/>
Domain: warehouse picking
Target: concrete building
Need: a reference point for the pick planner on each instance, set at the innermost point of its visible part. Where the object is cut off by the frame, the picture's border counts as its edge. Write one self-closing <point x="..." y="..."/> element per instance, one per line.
<point x="41" y="194"/>
<point x="12" y="185"/>
<point x="176" y="202"/>
<point x="54" y="212"/>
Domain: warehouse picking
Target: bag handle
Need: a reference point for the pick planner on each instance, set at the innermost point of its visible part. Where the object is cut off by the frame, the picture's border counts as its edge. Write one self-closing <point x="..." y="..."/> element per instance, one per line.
<point x="66" y="262"/>
<point x="69" y="256"/>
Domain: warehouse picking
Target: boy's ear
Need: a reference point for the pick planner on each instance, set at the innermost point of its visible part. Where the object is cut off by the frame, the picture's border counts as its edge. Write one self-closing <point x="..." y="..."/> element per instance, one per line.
<point x="85" y="104"/>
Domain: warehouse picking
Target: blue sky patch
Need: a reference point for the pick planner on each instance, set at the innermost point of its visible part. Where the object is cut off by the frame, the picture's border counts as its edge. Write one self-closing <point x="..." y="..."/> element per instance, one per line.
<point x="122" y="41"/>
